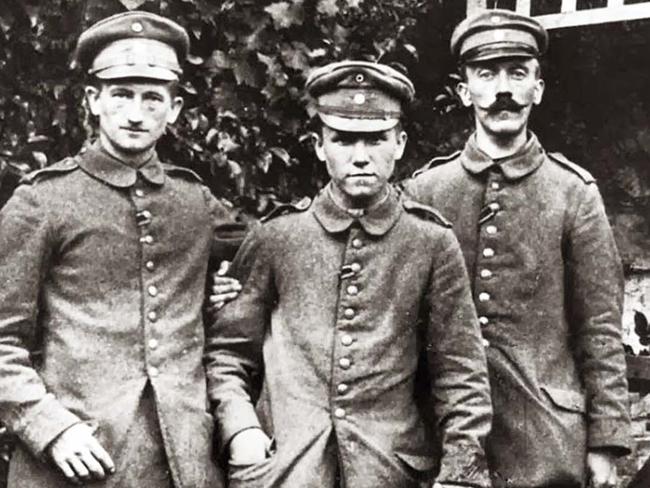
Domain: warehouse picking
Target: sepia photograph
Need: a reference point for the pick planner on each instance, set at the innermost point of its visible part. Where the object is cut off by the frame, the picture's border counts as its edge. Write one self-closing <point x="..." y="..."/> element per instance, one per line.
<point x="325" y="243"/>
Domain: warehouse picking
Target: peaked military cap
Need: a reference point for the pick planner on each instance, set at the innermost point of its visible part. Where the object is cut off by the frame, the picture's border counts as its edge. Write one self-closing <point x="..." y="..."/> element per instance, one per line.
<point x="359" y="96"/>
<point x="133" y="44"/>
<point x="498" y="33"/>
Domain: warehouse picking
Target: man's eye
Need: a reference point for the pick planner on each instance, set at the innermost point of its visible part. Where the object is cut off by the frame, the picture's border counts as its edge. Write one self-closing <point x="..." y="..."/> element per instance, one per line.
<point x="121" y="94"/>
<point x="485" y="74"/>
<point x="519" y="74"/>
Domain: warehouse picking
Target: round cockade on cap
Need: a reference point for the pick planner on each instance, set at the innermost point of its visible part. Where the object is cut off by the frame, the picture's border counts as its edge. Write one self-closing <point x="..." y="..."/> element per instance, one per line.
<point x="330" y="76"/>
<point x="359" y="96"/>
<point x="498" y="33"/>
<point x="159" y="31"/>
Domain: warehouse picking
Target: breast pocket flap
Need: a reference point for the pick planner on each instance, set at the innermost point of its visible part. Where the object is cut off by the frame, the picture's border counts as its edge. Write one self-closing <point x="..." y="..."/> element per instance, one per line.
<point x="571" y="400"/>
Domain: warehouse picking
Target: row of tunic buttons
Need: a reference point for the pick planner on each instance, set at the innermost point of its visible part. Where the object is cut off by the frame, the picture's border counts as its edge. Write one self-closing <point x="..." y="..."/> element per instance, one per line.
<point x="488" y="252"/>
<point x="346" y="339"/>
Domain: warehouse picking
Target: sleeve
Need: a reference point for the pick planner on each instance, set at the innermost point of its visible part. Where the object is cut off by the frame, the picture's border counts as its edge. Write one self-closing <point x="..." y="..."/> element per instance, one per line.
<point x="595" y="301"/>
<point x="233" y="353"/>
<point x="26" y="407"/>
<point x="229" y="231"/>
<point x="456" y="356"/>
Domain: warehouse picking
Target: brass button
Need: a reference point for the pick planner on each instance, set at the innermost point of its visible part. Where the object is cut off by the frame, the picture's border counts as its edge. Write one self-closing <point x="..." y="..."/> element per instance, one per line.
<point x="483" y="320"/>
<point x="148" y="239"/>
<point x="484" y="297"/>
<point x="339" y="413"/>
<point x="153" y="291"/>
<point x="355" y="267"/>
<point x="486" y="273"/>
<point x="349" y="313"/>
<point x="150" y="265"/>
<point x="139" y="192"/>
<point x="357" y="243"/>
<point x="346" y="340"/>
<point x="486" y="343"/>
<point x="488" y="252"/>
<point x="153" y="316"/>
<point x="352" y="290"/>
<point x="153" y="372"/>
<point x="345" y="363"/>
<point x="146" y="214"/>
<point x="153" y="344"/>
<point x="342" y="388"/>
<point x="491" y="229"/>
<point x="495" y="185"/>
<point x="494" y="206"/>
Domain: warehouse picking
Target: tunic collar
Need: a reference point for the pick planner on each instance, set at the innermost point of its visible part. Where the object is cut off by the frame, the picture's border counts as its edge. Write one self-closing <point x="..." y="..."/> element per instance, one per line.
<point x="98" y="163"/>
<point x="522" y="163"/>
<point x="376" y="220"/>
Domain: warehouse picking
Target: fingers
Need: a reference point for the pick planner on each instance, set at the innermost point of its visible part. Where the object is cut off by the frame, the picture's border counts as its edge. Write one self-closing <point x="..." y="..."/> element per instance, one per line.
<point x="223" y="268"/>
<point x="100" y="454"/>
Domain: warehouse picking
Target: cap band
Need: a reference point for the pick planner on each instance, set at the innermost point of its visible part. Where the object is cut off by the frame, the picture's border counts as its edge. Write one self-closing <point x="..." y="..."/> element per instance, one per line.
<point x="137" y="57"/>
<point x="497" y="39"/>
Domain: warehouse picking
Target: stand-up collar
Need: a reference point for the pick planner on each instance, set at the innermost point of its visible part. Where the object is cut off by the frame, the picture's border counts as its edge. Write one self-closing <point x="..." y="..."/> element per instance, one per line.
<point x="376" y="220"/>
<point x="98" y="163"/>
<point x="520" y="164"/>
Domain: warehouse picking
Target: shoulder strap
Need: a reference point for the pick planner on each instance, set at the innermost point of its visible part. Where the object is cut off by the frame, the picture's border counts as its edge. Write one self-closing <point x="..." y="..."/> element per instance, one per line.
<point x="60" y="168"/>
<point x="438" y="160"/>
<point x="181" y="171"/>
<point x="573" y="167"/>
<point x="287" y="208"/>
<point x="425" y="212"/>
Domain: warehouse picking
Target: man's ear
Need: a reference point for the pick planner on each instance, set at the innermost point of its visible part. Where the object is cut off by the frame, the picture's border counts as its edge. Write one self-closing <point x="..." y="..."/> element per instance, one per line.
<point x="92" y="96"/>
<point x="462" y="90"/>
<point x="402" y="137"/>
<point x="318" y="146"/>
<point x="177" y="105"/>
<point x="539" y="91"/>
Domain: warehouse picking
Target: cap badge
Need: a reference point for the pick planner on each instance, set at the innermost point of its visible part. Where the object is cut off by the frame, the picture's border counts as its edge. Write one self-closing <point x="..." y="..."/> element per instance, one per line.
<point x="359" y="78"/>
<point x="495" y="19"/>
<point x="359" y="98"/>
<point x="136" y="27"/>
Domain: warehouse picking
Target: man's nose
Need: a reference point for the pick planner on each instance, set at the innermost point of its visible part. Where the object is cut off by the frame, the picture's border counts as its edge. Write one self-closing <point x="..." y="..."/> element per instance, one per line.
<point x="360" y="156"/>
<point x="134" y="111"/>
<point x="503" y="83"/>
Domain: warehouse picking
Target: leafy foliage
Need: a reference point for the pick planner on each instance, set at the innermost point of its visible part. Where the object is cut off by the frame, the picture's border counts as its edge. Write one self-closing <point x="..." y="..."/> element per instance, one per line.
<point x="244" y="127"/>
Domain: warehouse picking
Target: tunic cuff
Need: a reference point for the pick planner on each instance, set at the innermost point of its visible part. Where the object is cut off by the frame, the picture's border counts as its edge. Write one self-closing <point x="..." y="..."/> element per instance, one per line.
<point x="43" y="423"/>
<point x="232" y="419"/>
<point x="611" y="434"/>
<point x="464" y="466"/>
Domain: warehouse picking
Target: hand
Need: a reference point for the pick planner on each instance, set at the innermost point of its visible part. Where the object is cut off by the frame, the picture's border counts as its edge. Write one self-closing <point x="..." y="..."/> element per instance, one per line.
<point x="79" y="455"/>
<point x="224" y="289"/>
<point x="250" y="446"/>
<point x="601" y="467"/>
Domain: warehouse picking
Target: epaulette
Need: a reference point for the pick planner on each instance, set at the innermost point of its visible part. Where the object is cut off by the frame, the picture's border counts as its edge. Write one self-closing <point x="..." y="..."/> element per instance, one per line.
<point x="59" y="168"/>
<point x="573" y="167"/>
<point x="438" y="160"/>
<point x="425" y="212"/>
<point x="287" y="208"/>
<point x="172" y="169"/>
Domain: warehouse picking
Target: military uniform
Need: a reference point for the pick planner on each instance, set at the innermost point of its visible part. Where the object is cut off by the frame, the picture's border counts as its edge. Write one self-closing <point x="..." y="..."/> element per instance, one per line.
<point x="104" y="268"/>
<point x="356" y="320"/>
<point x="333" y="319"/>
<point x="547" y="284"/>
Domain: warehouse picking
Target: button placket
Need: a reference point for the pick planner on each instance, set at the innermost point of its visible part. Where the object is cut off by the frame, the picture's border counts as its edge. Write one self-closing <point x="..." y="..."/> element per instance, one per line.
<point x="350" y="291"/>
<point x="487" y="245"/>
